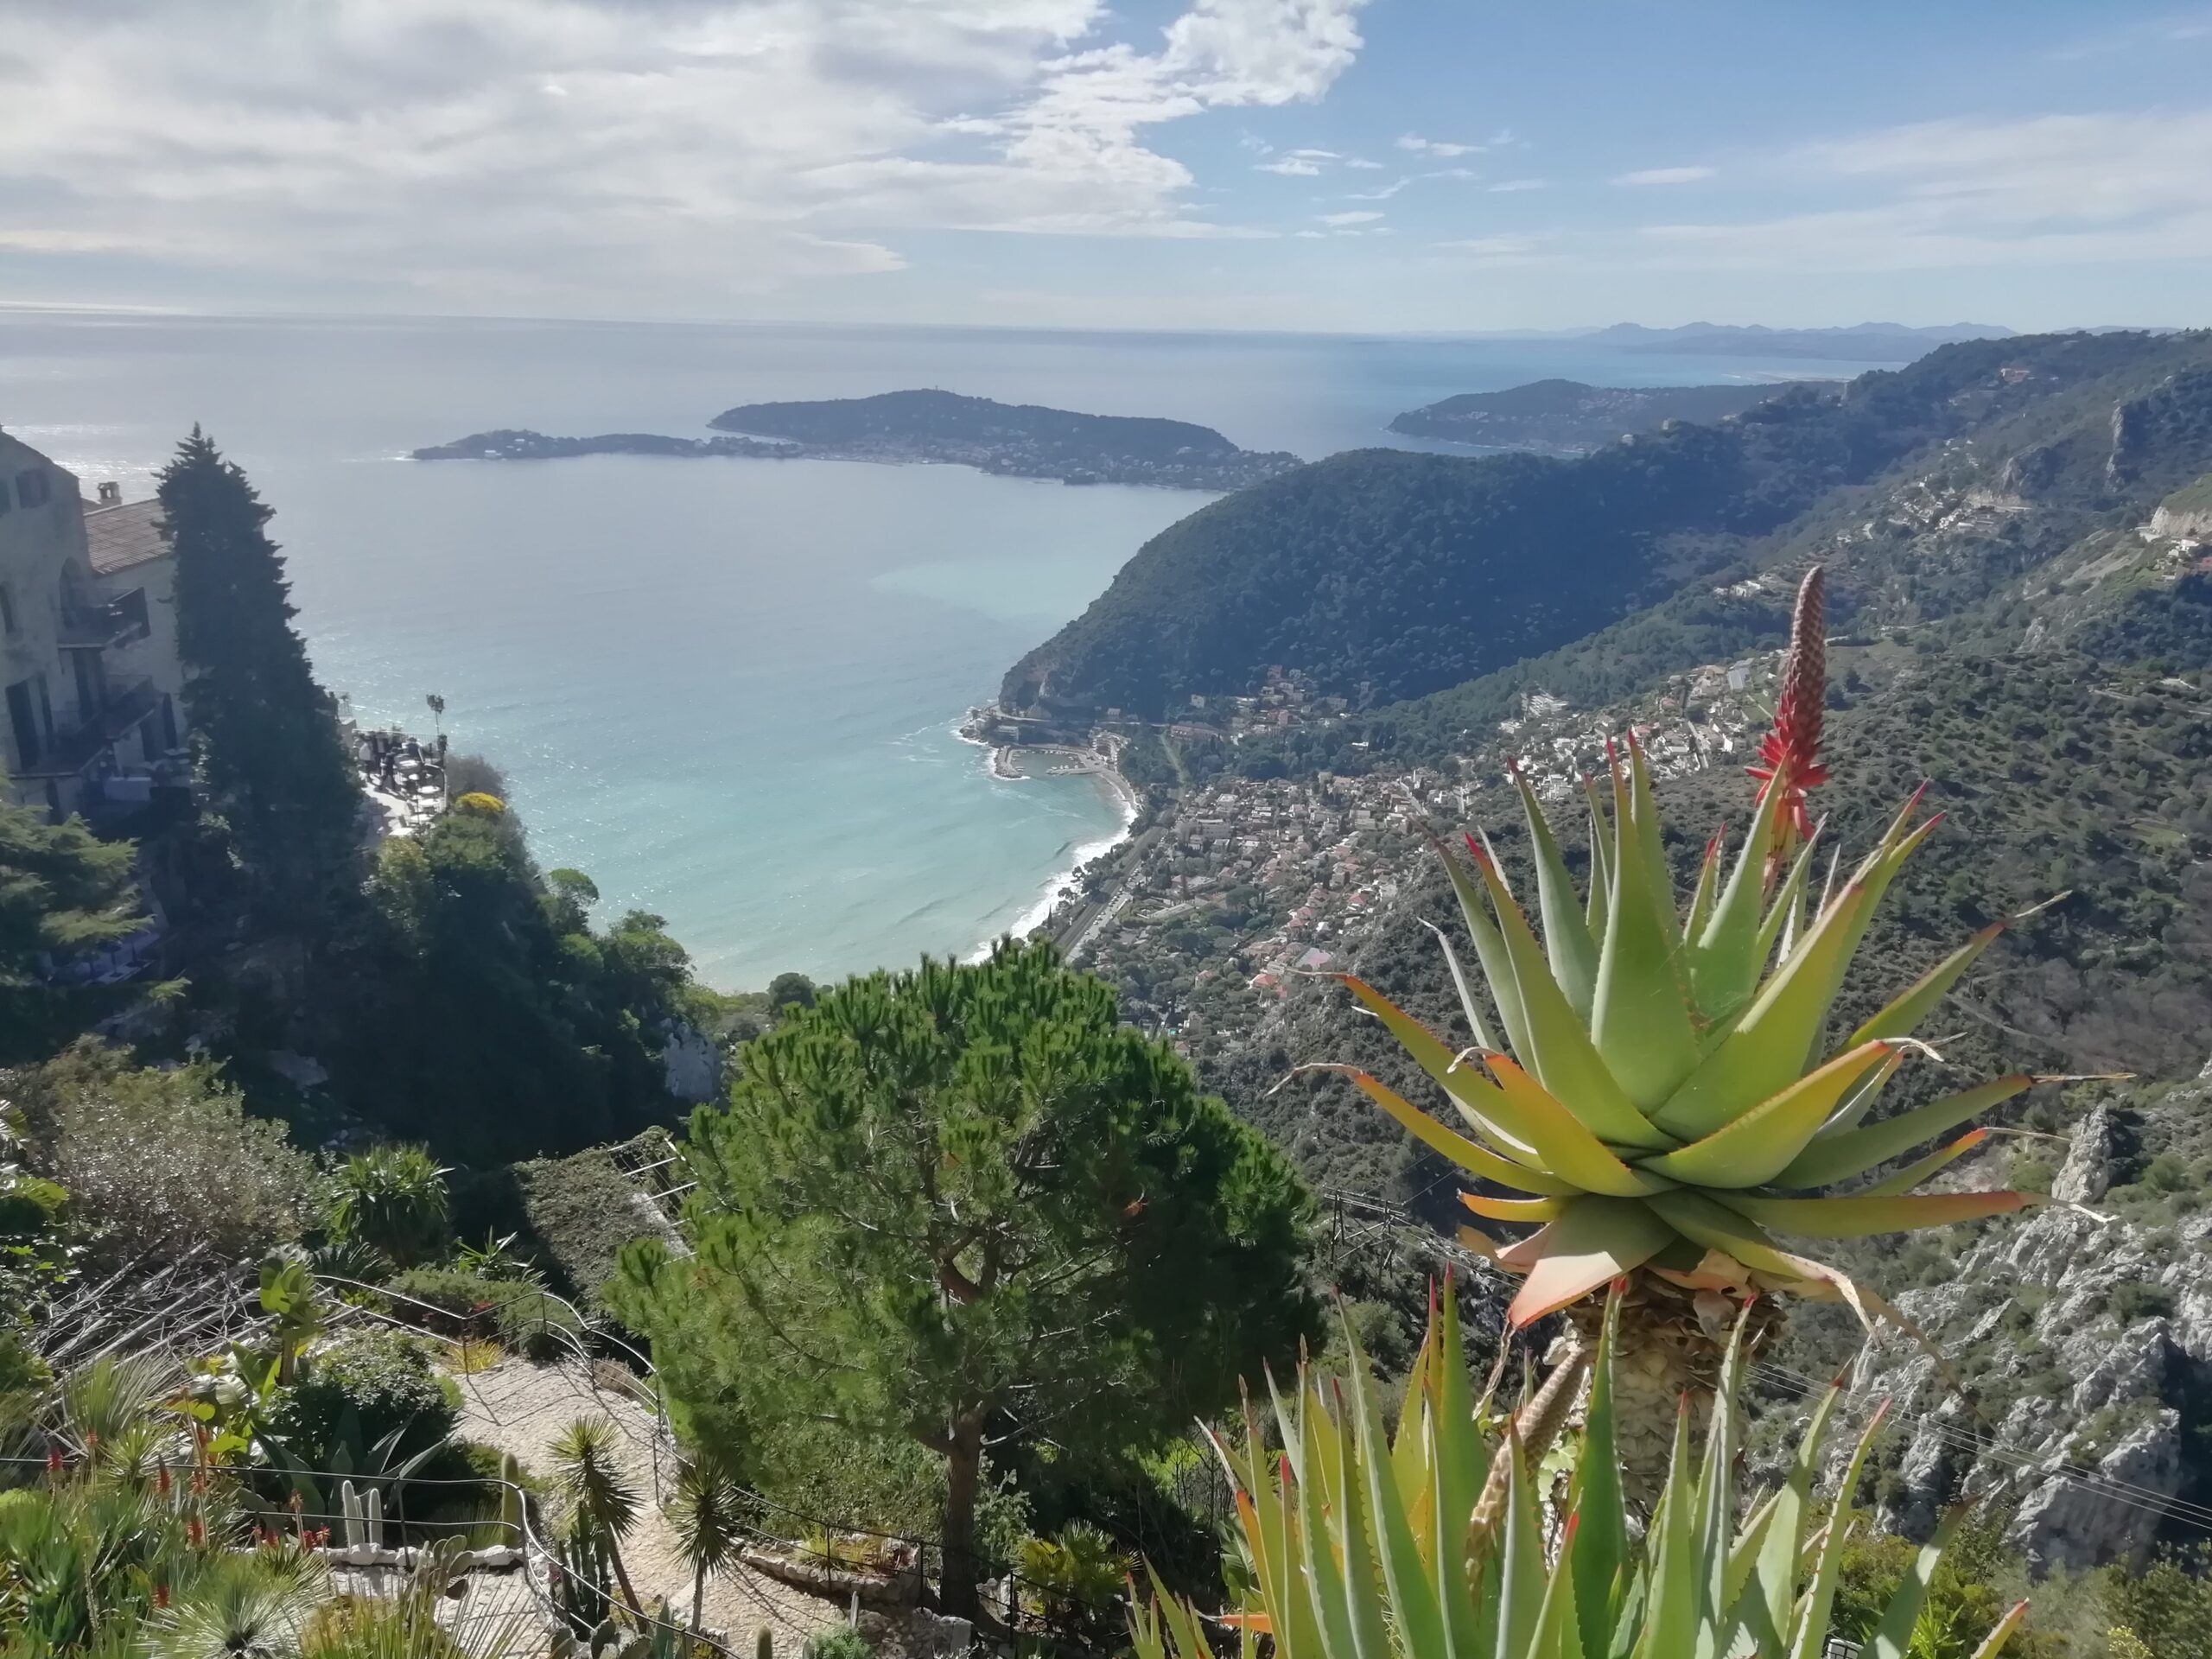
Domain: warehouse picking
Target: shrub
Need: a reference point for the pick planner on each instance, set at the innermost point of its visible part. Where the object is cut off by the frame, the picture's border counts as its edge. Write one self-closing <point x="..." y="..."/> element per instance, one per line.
<point x="359" y="1390"/>
<point x="842" y="1641"/>
<point x="393" y="1200"/>
<point x="160" y="1162"/>
<point x="1073" y="1580"/>
<point x="521" y="1312"/>
<point x="2132" y="1300"/>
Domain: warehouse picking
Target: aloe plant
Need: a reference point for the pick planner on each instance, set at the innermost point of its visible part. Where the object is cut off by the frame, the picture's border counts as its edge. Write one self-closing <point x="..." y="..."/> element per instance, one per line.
<point x="1439" y="1542"/>
<point x="1657" y="1083"/>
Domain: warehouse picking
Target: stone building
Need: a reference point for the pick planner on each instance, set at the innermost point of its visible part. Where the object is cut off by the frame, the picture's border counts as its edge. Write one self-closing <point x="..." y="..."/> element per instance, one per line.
<point x="92" y="688"/>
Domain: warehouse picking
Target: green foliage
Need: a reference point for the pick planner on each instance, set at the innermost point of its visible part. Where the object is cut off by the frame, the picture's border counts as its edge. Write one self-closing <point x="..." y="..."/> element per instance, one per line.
<point x="63" y="892"/>
<point x="601" y="1498"/>
<point x="1960" y="1607"/>
<point x="708" y="1517"/>
<point x="487" y="984"/>
<point x="1073" y="1580"/>
<point x="161" y="1160"/>
<point x="391" y="1199"/>
<point x="1428" y="1540"/>
<point x="359" y="1390"/>
<point x="1387" y="576"/>
<point x="518" y="1310"/>
<point x="958" y="1205"/>
<point x="839" y="1641"/>
<point x="790" y="991"/>
<point x="272" y="767"/>
<point x="581" y="1211"/>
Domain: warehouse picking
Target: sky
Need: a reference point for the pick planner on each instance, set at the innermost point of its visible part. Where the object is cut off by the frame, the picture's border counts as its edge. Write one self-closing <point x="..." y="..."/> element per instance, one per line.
<point x="1362" y="165"/>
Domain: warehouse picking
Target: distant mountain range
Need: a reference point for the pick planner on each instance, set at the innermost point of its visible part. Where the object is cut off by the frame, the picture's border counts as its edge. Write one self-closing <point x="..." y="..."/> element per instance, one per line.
<point x="1862" y="342"/>
<point x="1567" y="418"/>
<point x="1383" y="575"/>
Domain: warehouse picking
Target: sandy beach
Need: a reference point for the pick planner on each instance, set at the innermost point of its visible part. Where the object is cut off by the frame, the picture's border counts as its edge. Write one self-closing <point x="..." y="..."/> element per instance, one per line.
<point x="1013" y="762"/>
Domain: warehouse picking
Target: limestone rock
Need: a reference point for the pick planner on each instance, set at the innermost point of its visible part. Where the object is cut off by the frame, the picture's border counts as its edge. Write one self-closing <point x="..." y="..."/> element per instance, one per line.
<point x="2068" y="1525"/>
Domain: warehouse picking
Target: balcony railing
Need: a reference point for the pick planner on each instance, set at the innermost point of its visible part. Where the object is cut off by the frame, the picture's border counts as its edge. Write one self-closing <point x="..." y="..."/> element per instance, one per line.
<point x="71" y="752"/>
<point x="85" y="628"/>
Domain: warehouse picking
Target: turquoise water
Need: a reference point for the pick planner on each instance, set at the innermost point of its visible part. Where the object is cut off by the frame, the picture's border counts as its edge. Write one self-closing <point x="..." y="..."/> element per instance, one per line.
<point x="727" y="689"/>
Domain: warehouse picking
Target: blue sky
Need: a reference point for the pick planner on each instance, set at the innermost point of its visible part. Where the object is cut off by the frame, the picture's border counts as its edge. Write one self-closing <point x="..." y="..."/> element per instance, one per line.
<point x="1360" y="165"/>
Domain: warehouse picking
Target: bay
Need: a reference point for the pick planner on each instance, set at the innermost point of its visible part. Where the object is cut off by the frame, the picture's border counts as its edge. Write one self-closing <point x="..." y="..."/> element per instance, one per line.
<point x="726" y="690"/>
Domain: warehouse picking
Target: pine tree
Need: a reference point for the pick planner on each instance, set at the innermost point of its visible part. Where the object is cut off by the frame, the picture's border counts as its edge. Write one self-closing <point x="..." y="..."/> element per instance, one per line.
<point x="273" y="765"/>
<point x="963" y="1206"/>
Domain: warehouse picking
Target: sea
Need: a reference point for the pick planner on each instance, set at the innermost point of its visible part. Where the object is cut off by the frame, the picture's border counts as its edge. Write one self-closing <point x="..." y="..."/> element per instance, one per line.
<point x="729" y="691"/>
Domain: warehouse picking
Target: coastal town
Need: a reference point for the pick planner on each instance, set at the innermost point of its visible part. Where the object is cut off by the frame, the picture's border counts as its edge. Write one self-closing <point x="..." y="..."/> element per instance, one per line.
<point x="1229" y="887"/>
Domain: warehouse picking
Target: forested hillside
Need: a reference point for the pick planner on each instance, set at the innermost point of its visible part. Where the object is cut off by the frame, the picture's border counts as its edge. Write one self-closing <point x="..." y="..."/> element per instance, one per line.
<point x="1385" y="576"/>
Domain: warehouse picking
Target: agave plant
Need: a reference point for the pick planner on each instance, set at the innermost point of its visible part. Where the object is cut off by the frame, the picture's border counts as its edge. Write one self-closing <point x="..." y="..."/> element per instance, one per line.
<point x="1658" y="1082"/>
<point x="1433" y="1543"/>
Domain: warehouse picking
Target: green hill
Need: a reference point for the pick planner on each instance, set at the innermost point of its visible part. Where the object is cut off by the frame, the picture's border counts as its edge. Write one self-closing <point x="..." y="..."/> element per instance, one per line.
<point x="1386" y="577"/>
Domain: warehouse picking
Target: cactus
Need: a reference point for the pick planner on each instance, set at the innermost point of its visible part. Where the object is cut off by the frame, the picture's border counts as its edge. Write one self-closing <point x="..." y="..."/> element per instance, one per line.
<point x="349" y="1509"/>
<point x="372" y="1517"/>
<point x="511" y="1499"/>
<point x="763" y="1643"/>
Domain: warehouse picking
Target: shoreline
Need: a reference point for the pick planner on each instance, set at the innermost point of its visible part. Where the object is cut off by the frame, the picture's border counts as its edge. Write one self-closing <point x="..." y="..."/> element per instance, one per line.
<point x="1003" y="763"/>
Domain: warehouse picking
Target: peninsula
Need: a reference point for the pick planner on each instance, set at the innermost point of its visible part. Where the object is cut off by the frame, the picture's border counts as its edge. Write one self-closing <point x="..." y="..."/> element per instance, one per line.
<point x="1565" y="417"/>
<point x="924" y="427"/>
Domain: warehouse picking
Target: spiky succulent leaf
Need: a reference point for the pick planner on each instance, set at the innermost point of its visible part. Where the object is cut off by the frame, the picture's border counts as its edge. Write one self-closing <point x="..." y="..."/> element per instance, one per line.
<point x="1753" y="1148"/>
<point x="1568" y="941"/>
<point x="1860" y="1216"/>
<point x="1352" y="1557"/>
<point x="1469" y="1155"/>
<point x="1914" y="1173"/>
<point x="1593" y="1244"/>
<point x="1559" y="1051"/>
<point x="1901" y="1017"/>
<point x="1854" y="1152"/>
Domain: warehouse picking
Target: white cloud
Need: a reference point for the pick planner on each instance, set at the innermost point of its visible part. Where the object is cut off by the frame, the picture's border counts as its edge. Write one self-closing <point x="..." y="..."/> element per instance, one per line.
<point x="1339" y="221"/>
<point x="1490" y="252"/>
<point x="1507" y="186"/>
<point x="1362" y="163"/>
<point x="1421" y="146"/>
<point x="1290" y="166"/>
<point x="1316" y="155"/>
<point x="2049" y="190"/>
<point x="1665" y="176"/>
<point x="534" y="154"/>
<point x="1383" y="194"/>
<point x="1453" y="173"/>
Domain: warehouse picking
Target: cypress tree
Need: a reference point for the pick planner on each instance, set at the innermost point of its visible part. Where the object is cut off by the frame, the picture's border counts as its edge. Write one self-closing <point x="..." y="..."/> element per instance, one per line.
<point x="272" y="765"/>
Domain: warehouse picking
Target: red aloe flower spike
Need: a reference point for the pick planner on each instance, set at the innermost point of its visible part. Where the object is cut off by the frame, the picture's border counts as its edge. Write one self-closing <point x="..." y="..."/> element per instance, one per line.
<point x="1791" y="751"/>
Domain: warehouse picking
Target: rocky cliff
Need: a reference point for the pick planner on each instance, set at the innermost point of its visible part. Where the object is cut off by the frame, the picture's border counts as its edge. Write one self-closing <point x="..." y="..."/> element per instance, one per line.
<point x="2084" y="1337"/>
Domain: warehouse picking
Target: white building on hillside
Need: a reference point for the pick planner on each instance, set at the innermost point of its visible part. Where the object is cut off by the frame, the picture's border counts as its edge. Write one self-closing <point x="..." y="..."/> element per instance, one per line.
<point x="88" y="665"/>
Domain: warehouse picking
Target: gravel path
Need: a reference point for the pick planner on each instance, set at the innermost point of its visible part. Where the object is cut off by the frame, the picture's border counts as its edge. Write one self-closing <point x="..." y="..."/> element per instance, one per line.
<point x="522" y="1409"/>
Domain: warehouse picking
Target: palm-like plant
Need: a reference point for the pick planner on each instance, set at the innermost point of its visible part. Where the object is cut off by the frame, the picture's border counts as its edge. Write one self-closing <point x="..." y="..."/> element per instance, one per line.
<point x="1663" y="1098"/>
<point x="252" y="1606"/>
<point x="708" y="1516"/>
<point x="1368" y="1546"/>
<point x="392" y="1199"/>
<point x="602" y="1501"/>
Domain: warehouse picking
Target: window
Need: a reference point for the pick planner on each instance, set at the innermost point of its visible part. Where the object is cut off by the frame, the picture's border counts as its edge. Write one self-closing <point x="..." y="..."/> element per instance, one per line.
<point x="33" y="487"/>
<point x="7" y="623"/>
<point x="128" y="611"/>
<point x="23" y="719"/>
